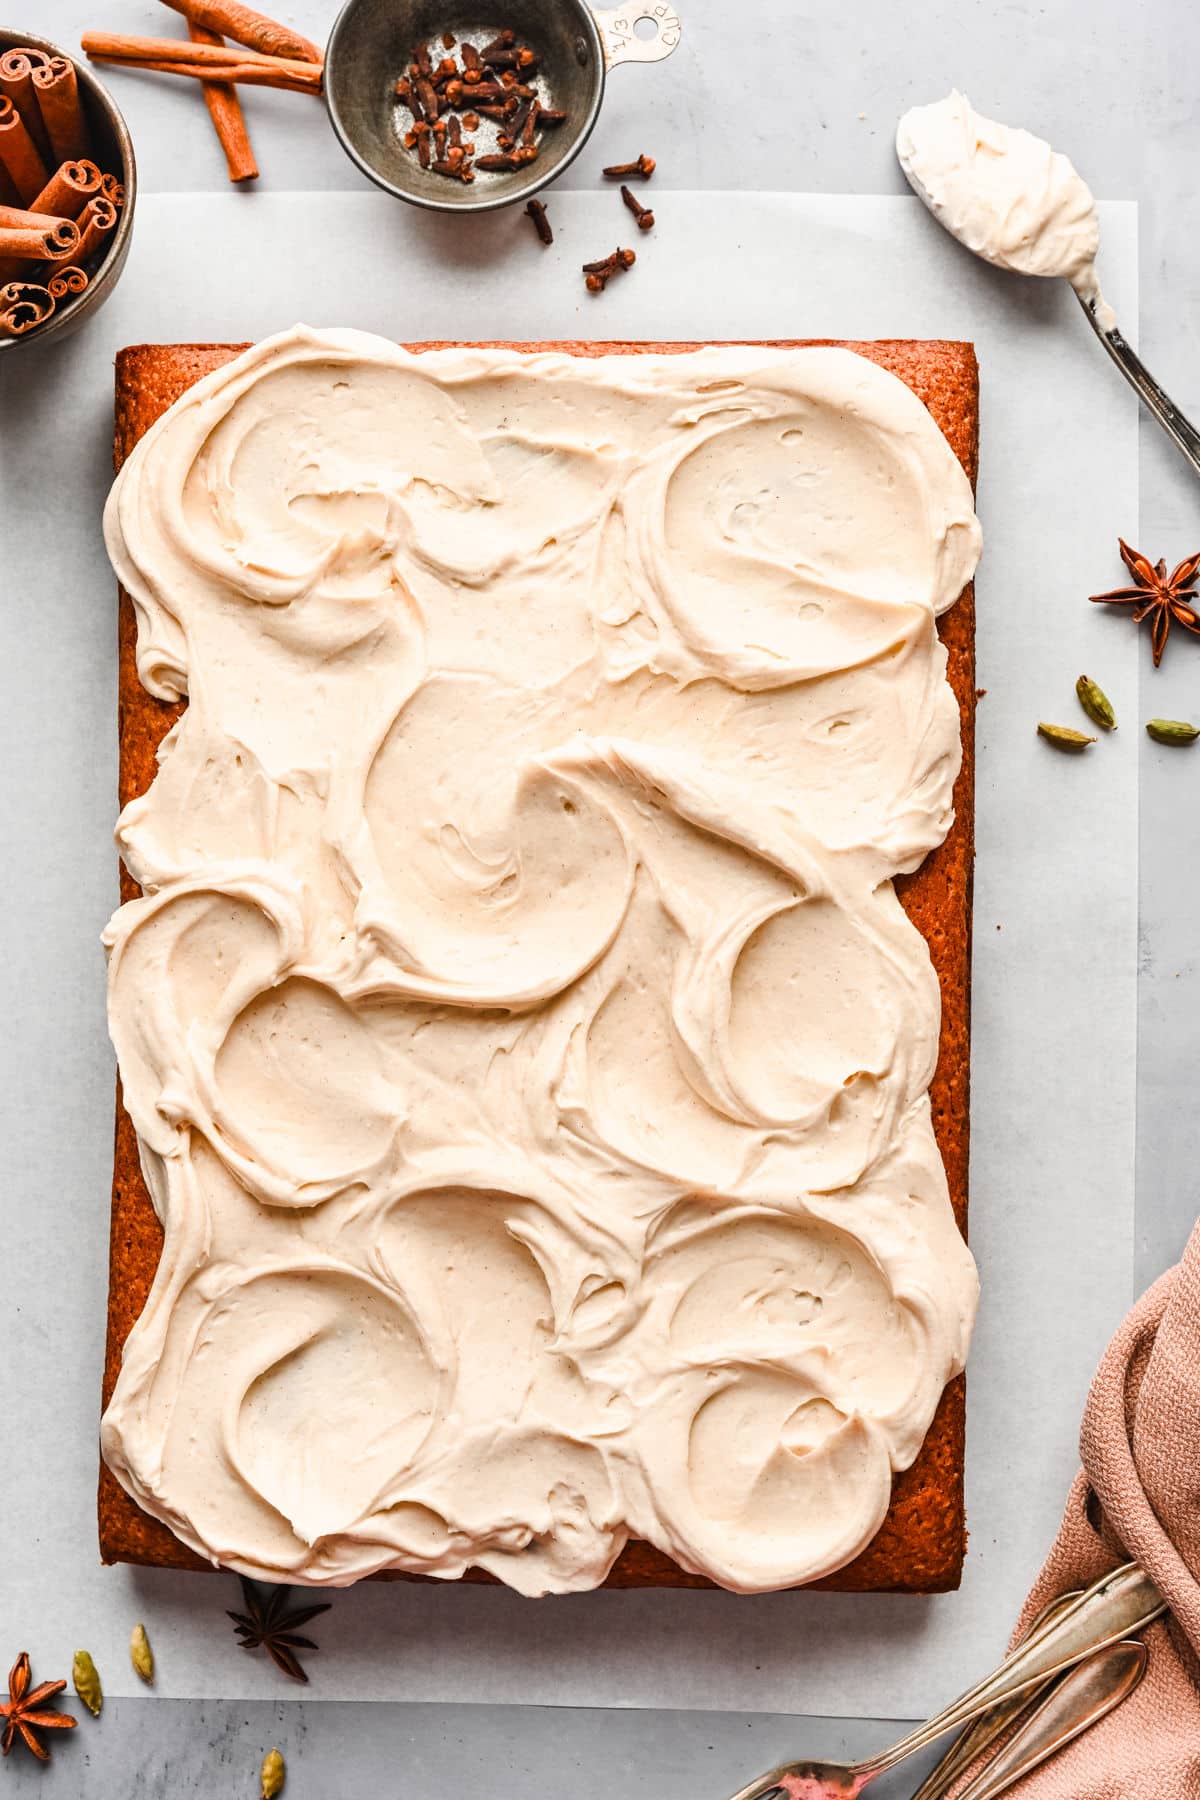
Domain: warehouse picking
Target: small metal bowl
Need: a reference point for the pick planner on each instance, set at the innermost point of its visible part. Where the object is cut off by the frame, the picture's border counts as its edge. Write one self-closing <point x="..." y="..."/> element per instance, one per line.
<point x="372" y="44"/>
<point x="113" y="150"/>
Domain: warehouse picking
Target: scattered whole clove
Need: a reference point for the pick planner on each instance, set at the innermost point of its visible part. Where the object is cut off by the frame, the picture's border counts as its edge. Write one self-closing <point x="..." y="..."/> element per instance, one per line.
<point x="642" y="214"/>
<point x="541" y="224"/>
<point x="623" y="259"/>
<point x="643" y="166"/>
<point x="598" y="274"/>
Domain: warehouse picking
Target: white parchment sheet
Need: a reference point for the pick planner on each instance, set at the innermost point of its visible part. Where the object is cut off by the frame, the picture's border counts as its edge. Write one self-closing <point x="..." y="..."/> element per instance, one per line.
<point x="1055" y="921"/>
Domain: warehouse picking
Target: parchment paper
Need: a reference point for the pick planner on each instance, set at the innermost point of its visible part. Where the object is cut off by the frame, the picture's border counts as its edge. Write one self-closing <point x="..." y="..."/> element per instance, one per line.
<point x="1055" y="922"/>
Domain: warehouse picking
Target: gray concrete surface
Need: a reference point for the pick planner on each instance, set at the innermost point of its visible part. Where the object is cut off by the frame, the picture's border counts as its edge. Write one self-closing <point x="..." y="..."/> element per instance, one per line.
<point x="793" y="96"/>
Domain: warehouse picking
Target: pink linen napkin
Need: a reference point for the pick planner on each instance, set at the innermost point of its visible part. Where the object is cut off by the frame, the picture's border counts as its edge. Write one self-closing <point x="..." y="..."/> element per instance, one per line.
<point x="1138" y="1496"/>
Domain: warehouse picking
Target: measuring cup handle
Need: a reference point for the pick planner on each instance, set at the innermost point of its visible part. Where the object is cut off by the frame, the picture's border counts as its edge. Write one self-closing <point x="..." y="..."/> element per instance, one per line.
<point x="621" y="41"/>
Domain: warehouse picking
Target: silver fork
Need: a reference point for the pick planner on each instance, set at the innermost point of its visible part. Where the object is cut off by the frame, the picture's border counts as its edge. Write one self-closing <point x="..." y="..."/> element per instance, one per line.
<point x="1112" y="1608"/>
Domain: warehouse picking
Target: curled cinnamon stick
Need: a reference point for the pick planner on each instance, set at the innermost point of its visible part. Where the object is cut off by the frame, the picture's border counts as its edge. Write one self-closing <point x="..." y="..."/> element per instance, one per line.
<point x="95" y="222"/>
<point x="230" y="19"/>
<point x="69" y="189"/>
<point x="57" y="92"/>
<point x="113" y="190"/>
<point x="225" y="111"/>
<point x="23" y="306"/>
<point x="16" y="80"/>
<point x="63" y="284"/>
<point x="19" y="153"/>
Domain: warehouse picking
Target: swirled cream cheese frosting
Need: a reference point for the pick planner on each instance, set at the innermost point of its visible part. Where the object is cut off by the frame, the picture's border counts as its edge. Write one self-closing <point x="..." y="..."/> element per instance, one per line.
<point x="528" y="1052"/>
<point x="1005" y="194"/>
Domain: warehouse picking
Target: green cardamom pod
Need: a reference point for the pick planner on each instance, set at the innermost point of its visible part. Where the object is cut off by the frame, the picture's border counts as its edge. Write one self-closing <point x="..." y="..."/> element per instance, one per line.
<point x="274" y="1774"/>
<point x="1063" y="737"/>
<point x="1172" y="731"/>
<point x="140" y="1653"/>
<point x="1096" y="703"/>
<point x="87" y="1682"/>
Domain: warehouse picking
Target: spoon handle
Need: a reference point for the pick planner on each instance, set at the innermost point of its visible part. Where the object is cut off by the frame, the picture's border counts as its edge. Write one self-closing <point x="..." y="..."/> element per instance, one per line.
<point x="1081" y="1699"/>
<point x="1116" y="1606"/>
<point x="992" y="1724"/>
<point x="1177" y="425"/>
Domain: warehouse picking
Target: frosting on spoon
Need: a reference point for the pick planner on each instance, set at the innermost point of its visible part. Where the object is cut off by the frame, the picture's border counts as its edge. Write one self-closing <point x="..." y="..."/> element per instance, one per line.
<point x="528" y="1052"/>
<point x="1005" y="194"/>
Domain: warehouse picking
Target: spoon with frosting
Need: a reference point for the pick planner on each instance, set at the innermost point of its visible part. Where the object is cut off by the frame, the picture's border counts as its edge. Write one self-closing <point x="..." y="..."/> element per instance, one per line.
<point x="1018" y="203"/>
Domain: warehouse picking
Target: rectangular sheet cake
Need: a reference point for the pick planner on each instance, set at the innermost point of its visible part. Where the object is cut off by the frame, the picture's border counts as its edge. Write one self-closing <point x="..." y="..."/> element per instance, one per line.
<point x="577" y="1051"/>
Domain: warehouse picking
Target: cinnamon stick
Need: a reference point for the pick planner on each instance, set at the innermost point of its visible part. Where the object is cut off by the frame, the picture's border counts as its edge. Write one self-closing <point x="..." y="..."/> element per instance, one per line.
<point x="230" y="19"/>
<point x="16" y="80"/>
<point x="23" y="306"/>
<point x="296" y="77"/>
<point x="124" y="46"/>
<point x="113" y="190"/>
<point x="56" y="89"/>
<point x="15" y="218"/>
<point x="42" y="242"/>
<point x="225" y="111"/>
<point x="95" y="222"/>
<point x="64" y="196"/>
<point x="63" y="283"/>
<point x="19" y="153"/>
<point x="69" y="189"/>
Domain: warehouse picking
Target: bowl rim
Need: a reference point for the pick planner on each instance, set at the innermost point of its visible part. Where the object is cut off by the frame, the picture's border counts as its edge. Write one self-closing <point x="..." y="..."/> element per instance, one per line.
<point x="429" y="202"/>
<point x="110" y="269"/>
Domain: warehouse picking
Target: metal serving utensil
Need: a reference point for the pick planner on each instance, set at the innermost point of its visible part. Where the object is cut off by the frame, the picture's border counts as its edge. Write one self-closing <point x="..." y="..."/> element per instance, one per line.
<point x="1112" y="1608"/>
<point x="1084" y="1696"/>
<point x="1178" y="427"/>
<point x="997" y="1719"/>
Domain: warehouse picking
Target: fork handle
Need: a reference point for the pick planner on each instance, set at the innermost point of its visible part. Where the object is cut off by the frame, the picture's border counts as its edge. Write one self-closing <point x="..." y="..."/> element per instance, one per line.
<point x="1114" y="1607"/>
<point x="1177" y="425"/>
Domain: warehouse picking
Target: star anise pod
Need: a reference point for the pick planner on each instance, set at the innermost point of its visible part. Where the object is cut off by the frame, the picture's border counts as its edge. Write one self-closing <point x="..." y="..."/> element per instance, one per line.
<point x="24" y="1711"/>
<point x="1157" y="595"/>
<point x="267" y="1624"/>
